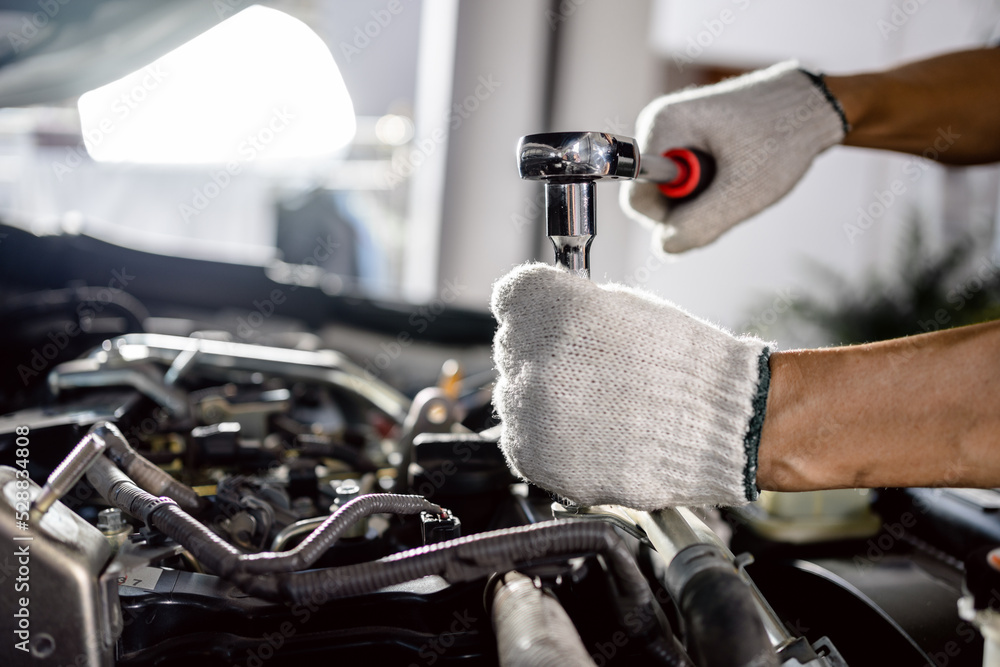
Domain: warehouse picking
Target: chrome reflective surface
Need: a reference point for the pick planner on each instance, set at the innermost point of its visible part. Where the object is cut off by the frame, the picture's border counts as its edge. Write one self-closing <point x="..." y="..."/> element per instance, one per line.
<point x="571" y="217"/>
<point x="127" y="359"/>
<point x="671" y="530"/>
<point x="69" y="472"/>
<point x="656" y="169"/>
<point x="570" y="157"/>
<point x="570" y="164"/>
<point x="71" y="580"/>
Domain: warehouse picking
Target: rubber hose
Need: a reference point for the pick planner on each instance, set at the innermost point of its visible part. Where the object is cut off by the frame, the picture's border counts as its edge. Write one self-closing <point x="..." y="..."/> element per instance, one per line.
<point x="144" y="472"/>
<point x="462" y="559"/>
<point x="667" y="651"/>
<point x="322" y="538"/>
<point x="722" y="620"/>
<point x="476" y="556"/>
<point x="532" y="628"/>
<point x="217" y="554"/>
<point x="211" y="550"/>
<point x="104" y="476"/>
<point x="115" y="487"/>
<point x="121" y="492"/>
<point x="723" y="624"/>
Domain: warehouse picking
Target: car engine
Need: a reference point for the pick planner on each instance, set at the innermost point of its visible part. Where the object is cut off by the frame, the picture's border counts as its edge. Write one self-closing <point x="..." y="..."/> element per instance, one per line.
<point x="175" y="495"/>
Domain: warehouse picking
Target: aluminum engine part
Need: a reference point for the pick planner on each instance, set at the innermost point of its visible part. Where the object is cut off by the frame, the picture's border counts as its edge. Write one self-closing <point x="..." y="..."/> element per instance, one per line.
<point x="62" y="601"/>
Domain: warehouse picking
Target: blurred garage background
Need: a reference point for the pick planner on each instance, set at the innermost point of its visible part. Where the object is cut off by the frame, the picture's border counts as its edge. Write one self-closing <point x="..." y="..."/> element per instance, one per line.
<point x="408" y="177"/>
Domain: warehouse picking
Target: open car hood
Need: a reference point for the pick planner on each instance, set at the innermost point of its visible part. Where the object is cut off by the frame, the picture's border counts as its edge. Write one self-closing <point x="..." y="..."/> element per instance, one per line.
<point x="58" y="50"/>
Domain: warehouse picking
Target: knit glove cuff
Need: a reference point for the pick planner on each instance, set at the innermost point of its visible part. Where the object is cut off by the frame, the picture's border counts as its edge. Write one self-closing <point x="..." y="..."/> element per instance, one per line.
<point x="764" y="129"/>
<point x="610" y="395"/>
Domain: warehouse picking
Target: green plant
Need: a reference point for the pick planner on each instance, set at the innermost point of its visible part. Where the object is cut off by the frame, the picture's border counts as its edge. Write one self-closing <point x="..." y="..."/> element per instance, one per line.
<point x="955" y="286"/>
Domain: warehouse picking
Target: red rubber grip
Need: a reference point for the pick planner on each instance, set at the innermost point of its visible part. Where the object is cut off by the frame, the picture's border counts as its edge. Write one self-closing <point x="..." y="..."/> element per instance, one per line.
<point x="689" y="173"/>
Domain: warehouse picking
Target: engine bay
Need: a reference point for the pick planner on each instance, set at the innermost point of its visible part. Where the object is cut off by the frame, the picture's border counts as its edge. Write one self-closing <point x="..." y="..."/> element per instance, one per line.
<point x="220" y="501"/>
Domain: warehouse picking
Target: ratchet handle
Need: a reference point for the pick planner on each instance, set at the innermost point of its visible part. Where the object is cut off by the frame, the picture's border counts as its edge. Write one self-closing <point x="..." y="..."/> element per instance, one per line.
<point x="681" y="174"/>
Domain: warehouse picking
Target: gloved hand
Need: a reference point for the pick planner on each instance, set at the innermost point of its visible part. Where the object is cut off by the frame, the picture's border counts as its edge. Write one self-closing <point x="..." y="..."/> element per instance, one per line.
<point x="610" y="395"/>
<point x="763" y="128"/>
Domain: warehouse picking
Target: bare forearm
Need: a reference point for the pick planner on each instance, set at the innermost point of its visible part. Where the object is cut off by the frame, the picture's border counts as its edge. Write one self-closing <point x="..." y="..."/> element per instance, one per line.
<point x="917" y="411"/>
<point x="943" y="108"/>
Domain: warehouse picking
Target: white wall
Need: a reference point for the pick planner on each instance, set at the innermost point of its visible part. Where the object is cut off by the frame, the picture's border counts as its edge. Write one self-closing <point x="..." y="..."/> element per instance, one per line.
<point x="738" y="278"/>
<point x="844" y="35"/>
<point x="504" y="44"/>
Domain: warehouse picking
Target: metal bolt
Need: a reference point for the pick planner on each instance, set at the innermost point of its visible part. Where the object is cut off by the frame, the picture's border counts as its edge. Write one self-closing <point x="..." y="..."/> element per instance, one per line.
<point x="346" y="491"/>
<point x="110" y="521"/>
<point x="69" y="471"/>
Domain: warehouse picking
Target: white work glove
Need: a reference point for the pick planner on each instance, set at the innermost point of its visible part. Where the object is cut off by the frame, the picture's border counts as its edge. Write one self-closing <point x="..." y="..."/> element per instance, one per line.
<point x="763" y="129"/>
<point x="610" y="395"/>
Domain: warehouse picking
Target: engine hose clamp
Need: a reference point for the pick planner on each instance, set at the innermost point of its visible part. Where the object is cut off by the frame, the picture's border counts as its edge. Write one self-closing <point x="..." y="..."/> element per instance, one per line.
<point x="155" y="505"/>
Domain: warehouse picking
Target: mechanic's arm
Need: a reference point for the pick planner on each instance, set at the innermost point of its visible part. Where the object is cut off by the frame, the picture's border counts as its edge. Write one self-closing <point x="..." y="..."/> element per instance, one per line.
<point x="943" y="108"/>
<point x="611" y="395"/>
<point x="917" y="411"/>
